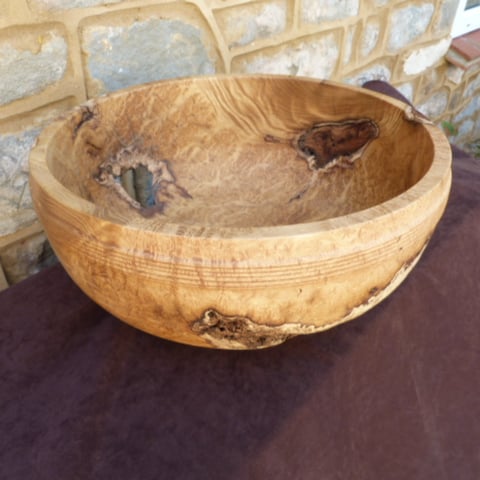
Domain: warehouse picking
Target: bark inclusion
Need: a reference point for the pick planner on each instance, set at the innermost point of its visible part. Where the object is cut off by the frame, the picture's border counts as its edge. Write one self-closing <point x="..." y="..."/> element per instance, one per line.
<point x="237" y="332"/>
<point x="145" y="183"/>
<point x="328" y="144"/>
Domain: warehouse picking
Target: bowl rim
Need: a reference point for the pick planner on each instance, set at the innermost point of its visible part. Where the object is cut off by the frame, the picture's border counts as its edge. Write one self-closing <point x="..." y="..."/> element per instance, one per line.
<point x="438" y="172"/>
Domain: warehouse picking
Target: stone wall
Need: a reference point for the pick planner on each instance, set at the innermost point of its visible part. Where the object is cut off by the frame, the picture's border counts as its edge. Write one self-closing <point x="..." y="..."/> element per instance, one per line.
<point x="57" y="53"/>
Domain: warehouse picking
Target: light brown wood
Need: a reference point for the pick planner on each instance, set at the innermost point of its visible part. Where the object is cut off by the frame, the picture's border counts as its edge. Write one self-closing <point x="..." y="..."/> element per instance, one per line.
<point x="236" y="212"/>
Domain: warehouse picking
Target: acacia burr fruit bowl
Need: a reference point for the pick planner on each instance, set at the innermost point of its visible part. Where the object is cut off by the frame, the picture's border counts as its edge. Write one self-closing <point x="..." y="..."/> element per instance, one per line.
<point x="236" y="212"/>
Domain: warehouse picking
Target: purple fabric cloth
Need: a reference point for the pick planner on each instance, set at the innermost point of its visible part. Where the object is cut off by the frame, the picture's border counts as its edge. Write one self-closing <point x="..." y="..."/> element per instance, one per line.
<point x="392" y="395"/>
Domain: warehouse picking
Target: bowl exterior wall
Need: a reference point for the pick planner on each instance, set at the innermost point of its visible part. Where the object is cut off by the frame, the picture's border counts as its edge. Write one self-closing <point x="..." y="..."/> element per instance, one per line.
<point x="187" y="289"/>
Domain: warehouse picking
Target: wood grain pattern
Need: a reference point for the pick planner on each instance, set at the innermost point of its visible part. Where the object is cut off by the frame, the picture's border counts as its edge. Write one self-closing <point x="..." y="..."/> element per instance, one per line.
<point x="236" y="212"/>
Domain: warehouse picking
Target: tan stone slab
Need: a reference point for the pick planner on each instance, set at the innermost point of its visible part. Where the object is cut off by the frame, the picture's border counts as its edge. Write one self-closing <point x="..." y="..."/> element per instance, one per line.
<point x="3" y="280"/>
<point x="23" y="234"/>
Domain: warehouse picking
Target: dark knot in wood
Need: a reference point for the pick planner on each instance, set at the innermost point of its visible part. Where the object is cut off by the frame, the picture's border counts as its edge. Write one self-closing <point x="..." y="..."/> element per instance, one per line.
<point x="237" y="332"/>
<point x="325" y="142"/>
<point x="328" y="144"/>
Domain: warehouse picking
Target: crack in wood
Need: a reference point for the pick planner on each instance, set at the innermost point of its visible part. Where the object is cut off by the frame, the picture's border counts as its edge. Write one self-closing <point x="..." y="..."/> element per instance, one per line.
<point x="87" y="113"/>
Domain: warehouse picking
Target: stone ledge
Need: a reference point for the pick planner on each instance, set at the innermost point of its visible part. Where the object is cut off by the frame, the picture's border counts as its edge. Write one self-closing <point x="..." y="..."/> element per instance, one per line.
<point x="3" y="280"/>
<point x="16" y="237"/>
<point x="464" y="51"/>
<point x="24" y="253"/>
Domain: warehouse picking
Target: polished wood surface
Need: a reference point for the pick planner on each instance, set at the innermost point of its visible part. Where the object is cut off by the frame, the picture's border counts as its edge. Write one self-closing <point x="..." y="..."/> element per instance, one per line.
<point x="236" y="212"/>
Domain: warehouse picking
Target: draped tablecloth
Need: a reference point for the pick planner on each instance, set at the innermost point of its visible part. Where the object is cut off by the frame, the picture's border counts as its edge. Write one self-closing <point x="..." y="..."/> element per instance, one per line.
<point x="394" y="394"/>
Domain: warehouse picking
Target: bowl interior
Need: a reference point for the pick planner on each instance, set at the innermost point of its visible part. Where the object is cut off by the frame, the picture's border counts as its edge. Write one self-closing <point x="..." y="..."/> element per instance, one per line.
<point x="238" y="152"/>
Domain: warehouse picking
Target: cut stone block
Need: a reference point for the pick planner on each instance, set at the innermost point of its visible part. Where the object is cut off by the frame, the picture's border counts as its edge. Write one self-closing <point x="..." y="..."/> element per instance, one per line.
<point x="16" y="208"/>
<point x="448" y="9"/>
<point x="242" y="25"/>
<point x="408" y="23"/>
<point x="423" y="58"/>
<point x="379" y="71"/>
<point x="435" y="105"/>
<point x="25" y="72"/>
<point x="370" y="36"/>
<point x="316" y="57"/>
<point x="27" y="257"/>
<point x="144" y="51"/>
<point x="317" y="11"/>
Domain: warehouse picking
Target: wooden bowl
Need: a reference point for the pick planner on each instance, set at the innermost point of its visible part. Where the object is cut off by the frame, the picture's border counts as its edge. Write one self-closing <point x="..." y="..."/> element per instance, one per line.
<point x="236" y="212"/>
